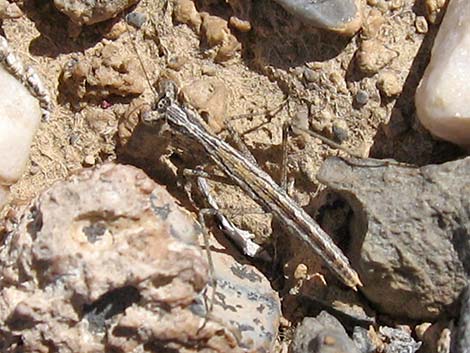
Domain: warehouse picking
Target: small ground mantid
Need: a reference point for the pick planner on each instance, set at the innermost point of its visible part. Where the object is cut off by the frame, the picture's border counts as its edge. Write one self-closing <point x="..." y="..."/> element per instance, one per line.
<point x="245" y="173"/>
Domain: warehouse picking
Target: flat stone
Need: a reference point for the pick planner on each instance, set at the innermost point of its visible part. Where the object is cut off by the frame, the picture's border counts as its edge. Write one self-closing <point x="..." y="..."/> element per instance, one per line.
<point x="107" y="261"/>
<point x="343" y="16"/>
<point x="410" y="232"/>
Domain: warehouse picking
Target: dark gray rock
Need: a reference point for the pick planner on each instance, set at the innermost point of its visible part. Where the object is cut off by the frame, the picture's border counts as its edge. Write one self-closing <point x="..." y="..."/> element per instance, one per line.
<point x="322" y="334"/>
<point x="136" y="19"/>
<point x="410" y="231"/>
<point x="398" y="341"/>
<point x="343" y="16"/>
<point x="462" y="337"/>
<point x="363" y="341"/>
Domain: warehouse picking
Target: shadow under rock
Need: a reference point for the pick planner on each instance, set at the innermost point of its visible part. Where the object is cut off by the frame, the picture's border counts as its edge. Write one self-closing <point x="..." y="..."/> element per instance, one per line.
<point x="54" y="38"/>
<point x="281" y="40"/>
<point x="403" y="138"/>
<point x="277" y="38"/>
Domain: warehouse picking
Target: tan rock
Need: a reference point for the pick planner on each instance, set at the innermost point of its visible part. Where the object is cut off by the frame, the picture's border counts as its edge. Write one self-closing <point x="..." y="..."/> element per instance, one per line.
<point x="89" y="12"/>
<point x="185" y="11"/>
<point x="217" y="35"/>
<point x="373" y="56"/>
<point x="434" y="9"/>
<point x="107" y="261"/>
<point x="210" y="97"/>
<point x="388" y="84"/>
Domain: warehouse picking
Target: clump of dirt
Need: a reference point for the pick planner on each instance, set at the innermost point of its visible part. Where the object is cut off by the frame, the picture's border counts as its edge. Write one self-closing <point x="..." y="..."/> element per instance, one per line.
<point x="102" y="75"/>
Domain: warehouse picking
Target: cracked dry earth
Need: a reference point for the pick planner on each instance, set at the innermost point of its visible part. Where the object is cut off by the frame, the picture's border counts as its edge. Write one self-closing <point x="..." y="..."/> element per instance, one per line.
<point x="358" y="91"/>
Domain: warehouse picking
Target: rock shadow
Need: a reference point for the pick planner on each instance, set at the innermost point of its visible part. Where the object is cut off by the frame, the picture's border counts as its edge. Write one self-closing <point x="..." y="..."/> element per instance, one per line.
<point x="277" y="38"/>
<point x="403" y="138"/>
<point x="52" y="25"/>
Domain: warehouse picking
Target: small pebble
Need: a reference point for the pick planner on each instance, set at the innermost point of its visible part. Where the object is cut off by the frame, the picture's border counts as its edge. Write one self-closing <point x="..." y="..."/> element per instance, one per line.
<point x="396" y="5"/>
<point x="372" y="56"/>
<point x="362" y="97"/>
<point x="398" y="340"/>
<point x="434" y="9"/>
<point x="340" y="131"/>
<point x="184" y="11"/>
<point x="73" y="139"/>
<point x="363" y="341"/>
<point x="240" y="25"/>
<point x="208" y="70"/>
<point x="388" y="84"/>
<point x="443" y="343"/>
<point x="323" y="334"/>
<point x="116" y="30"/>
<point x="421" y="329"/>
<point x="336" y="78"/>
<point x="301" y="271"/>
<point x="89" y="160"/>
<point x="421" y="25"/>
<point x="372" y="24"/>
<point x="382" y="5"/>
<point x="177" y="62"/>
<point x="310" y="75"/>
<point x="34" y="169"/>
<point x="136" y="19"/>
<point x="301" y="118"/>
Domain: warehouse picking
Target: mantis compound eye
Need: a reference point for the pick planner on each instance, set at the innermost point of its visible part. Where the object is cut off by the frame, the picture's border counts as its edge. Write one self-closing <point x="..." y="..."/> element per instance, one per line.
<point x="163" y="103"/>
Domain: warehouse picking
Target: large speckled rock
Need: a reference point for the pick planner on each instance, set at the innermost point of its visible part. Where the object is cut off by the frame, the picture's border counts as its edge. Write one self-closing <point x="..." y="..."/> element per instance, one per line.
<point x="92" y="11"/>
<point x="107" y="261"/>
<point x="410" y="232"/>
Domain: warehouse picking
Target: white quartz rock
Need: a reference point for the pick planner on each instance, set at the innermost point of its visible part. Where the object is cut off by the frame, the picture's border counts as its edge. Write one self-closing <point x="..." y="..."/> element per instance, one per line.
<point x="443" y="96"/>
<point x="4" y="191"/>
<point x="20" y="115"/>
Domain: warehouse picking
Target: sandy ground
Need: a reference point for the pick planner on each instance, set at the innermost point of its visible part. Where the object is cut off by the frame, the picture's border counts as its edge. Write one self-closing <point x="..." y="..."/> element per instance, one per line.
<point x="316" y="74"/>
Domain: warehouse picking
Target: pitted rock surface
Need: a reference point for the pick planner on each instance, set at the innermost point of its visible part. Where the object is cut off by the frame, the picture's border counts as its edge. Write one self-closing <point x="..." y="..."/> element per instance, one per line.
<point x="410" y="232"/>
<point x="92" y="11"/>
<point x="244" y="299"/>
<point x="322" y="334"/>
<point x="107" y="261"/>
